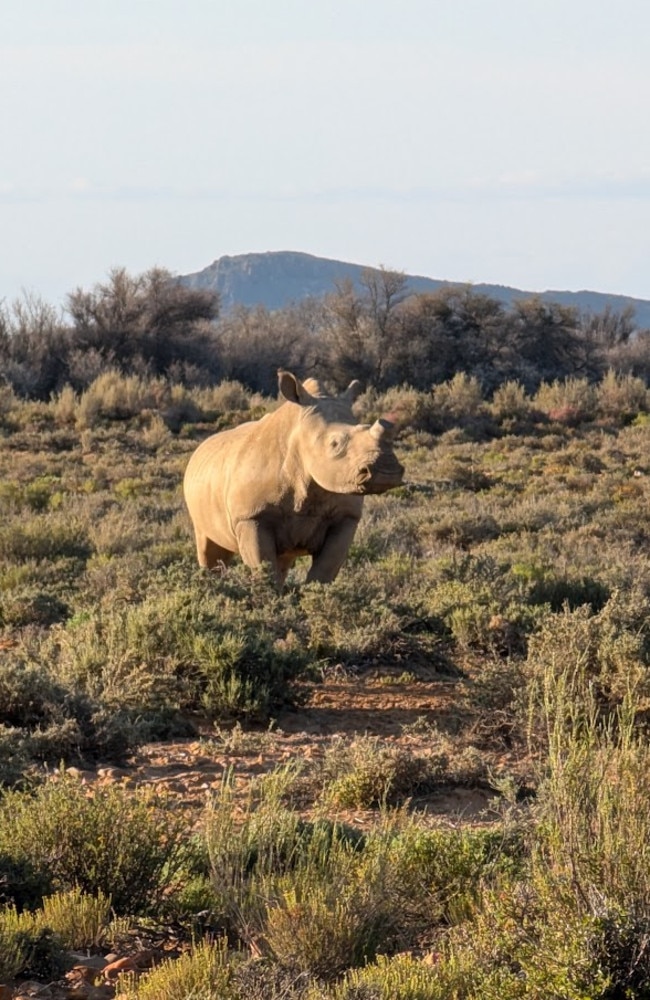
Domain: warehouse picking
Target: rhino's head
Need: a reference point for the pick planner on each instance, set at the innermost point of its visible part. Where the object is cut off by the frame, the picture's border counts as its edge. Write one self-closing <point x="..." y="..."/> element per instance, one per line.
<point x="341" y="455"/>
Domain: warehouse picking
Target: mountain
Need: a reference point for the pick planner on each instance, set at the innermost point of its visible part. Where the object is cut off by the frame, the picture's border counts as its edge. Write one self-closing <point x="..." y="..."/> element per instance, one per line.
<point x="278" y="278"/>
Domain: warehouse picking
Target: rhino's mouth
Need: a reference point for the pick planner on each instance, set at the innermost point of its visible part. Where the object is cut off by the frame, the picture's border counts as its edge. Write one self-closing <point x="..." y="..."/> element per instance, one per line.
<point x="379" y="477"/>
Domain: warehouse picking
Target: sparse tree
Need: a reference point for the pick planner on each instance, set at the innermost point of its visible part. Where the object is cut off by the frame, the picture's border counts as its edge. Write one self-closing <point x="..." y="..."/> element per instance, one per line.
<point x="544" y="340"/>
<point x="33" y="343"/>
<point x="360" y="340"/>
<point x="148" y="323"/>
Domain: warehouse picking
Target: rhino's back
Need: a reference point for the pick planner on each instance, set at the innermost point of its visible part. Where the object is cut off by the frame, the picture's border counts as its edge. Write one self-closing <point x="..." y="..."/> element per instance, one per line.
<point x="218" y="451"/>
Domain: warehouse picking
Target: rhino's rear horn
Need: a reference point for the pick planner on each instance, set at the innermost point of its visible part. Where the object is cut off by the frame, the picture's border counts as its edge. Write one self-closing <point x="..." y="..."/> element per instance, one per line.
<point x="383" y="430"/>
<point x="353" y="390"/>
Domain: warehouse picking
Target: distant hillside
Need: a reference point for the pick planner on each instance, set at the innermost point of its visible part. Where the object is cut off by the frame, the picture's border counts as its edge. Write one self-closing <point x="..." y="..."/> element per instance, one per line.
<point x="277" y="278"/>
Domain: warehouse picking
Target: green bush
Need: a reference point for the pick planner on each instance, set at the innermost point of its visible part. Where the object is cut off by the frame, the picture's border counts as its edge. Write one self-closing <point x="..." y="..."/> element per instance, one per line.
<point x="605" y="654"/>
<point x="22" y="883"/>
<point x="570" y="401"/>
<point x="185" y="649"/>
<point x="113" y="396"/>
<point x="622" y="396"/>
<point x="79" y="920"/>
<point x="438" y="875"/>
<point x="324" y="928"/>
<point x="510" y="403"/>
<point x="367" y="772"/>
<point x="407" y="978"/>
<point x="27" y="946"/>
<point x="23" y="606"/>
<point x="349" y="620"/>
<point x="203" y="972"/>
<point x="46" y="719"/>
<point x="122" y="843"/>
<point x="459" y="400"/>
<point x="46" y="537"/>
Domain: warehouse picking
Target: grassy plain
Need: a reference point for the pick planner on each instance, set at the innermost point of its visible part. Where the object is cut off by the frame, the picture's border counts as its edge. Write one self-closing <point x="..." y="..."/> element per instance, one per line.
<point x="452" y="798"/>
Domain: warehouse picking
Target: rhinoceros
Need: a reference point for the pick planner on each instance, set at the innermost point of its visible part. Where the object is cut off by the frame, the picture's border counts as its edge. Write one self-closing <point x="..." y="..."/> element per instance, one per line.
<point x="290" y="484"/>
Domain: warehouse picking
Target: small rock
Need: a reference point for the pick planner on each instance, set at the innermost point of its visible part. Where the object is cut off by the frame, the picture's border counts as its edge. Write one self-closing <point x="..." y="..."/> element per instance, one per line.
<point x="176" y="786"/>
<point x="82" y="775"/>
<point x="112" y="773"/>
<point x="29" y="990"/>
<point x="79" y="960"/>
<point x="113" y="970"/>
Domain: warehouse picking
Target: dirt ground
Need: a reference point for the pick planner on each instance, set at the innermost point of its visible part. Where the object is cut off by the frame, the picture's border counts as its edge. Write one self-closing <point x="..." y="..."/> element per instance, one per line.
<point x="406" y="713"/>
<point x="399" y="714"/>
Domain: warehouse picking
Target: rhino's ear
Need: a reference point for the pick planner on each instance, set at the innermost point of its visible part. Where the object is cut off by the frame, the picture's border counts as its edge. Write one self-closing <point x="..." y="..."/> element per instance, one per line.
<point x="352" y="391"/>
<point x="292" y="389"/>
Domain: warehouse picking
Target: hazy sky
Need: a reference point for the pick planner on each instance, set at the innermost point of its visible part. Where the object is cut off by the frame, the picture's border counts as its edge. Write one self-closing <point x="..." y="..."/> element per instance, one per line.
<point x="475" y="140"/>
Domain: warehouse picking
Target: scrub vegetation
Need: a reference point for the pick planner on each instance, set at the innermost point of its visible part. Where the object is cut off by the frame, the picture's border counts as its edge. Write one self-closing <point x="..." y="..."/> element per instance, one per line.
<point x="511" y="571"/>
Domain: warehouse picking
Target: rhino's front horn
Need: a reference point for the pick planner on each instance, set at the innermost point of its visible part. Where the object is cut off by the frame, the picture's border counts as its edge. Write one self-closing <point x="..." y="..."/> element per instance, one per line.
<point x="383" y="430"/>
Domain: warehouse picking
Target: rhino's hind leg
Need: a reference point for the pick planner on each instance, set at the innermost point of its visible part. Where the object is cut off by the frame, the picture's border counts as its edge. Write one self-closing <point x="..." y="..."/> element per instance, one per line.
<point x="211" y="555"/>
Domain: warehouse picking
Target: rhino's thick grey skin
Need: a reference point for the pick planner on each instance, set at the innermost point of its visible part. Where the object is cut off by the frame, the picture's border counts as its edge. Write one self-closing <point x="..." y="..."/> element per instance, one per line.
<point x="290" y="484"/>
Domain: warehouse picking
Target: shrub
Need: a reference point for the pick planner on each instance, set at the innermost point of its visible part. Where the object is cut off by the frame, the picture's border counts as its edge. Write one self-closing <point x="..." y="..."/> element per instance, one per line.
<point x="8" y="402"/>
<point x="459" y="401"/>
<point x="510" y="402"/>
<point x="264" y="841"/>
<point x="406" y="977"/>
<point x="324" y="928"/>
<point x="408" y="408"/>
<point x="156" y="434"/>
<point x="245" y="673"/>
<point x="180" y="407"/>
<point x="349" y="620"/>
<point x="622" y="396"/>
<point x="594" y="832"/>
<point x="28" y="695"/>
<point x="605" y="654"/>
<point x="121" y="843"/>
<point x="259" y="979"/>
<point x="576" y="924"/>
<point x="48" y="536"/>
<point x="481" y="613"/>
<point x="78" y="920"/>
<point x="367" y="772"/>
<point x="113" y="396"/>
<point x="21" y="884"/>
<point x="44" y="719"/>
<point x="64" y="405"/>
<point x="27" y="946"/>
<point x="460" y="396"/>
<point x="570" y="402"/>
<point x="437" y="875"/>
<point x="184" y="649"/>
<point x="31" y="606"/>
<point x="226" y="396"/>
<point x="204" y="971"/>
<point x="559" y="592"/>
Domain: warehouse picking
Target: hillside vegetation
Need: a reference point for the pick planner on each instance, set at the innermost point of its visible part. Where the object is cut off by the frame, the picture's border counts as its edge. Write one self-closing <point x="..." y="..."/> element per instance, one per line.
<point x="511" y="570"/>
<point x="151" y="325"/>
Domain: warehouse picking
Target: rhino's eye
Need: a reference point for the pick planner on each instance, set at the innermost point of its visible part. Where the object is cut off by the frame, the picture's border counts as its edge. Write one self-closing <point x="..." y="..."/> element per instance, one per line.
<point x="338" y="443"/>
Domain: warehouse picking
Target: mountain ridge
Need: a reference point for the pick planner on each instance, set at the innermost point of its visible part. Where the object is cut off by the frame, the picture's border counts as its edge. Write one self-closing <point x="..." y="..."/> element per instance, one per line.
<point x="277" y="278"/>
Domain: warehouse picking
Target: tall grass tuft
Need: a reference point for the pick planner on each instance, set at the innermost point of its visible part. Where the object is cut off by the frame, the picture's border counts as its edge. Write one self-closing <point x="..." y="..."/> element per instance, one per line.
<point x="202" y="973"/>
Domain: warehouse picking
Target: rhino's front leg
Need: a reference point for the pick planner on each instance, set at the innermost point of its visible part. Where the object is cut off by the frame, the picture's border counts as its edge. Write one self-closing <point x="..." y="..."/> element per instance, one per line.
<point x="328" y="560"/>
<point x="257" y="547"/>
